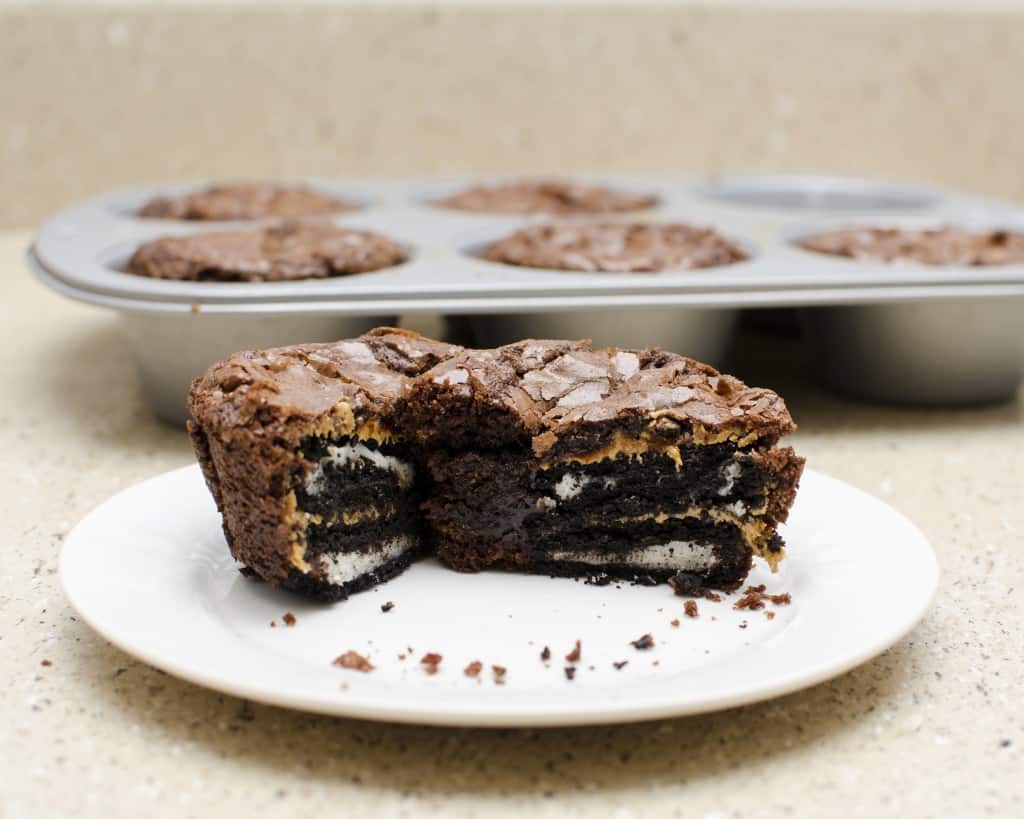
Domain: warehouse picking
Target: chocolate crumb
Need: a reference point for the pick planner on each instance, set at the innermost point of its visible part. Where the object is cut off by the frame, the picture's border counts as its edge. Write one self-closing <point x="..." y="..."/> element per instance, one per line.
<point x="744" y="624"/>
<point x="621" y="664"/>
<point x="759" y="589"/>
<point x="570" y="672"/>
<point x="781" y="599"/>
<point x="674" y="622"/>
<point x="430" y="662"/>
<point x="656" y="663"/>
<point x="714" y="598"/>
<point x="590" y="668"/>
<point x="690" y="608"/>
<point x="401" y="656"/>
<point x="769" y="615"/>
<point x="499" y="674"/>
<point x="473" y="669"/>
<point x="387" y="606"/>
<point x="685" y="584"/>
<point x="574" y="655"/>
<point x="353" y="661"/>
<point x="1005" y="743"/>
<point x="273" y="623"/>
<point x="545" y="655"/>
<point x="643" y="643"/>
<point x="289" y="618"/>
<point x="752" y="600"/>
<point x="46" y="663"/>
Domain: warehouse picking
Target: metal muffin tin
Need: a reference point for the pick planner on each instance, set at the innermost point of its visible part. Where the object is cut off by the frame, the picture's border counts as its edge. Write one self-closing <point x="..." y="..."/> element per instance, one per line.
<point x="891" y="332"/>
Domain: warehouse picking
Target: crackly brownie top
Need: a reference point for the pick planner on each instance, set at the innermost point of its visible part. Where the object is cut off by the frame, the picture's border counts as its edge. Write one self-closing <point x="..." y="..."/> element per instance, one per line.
<point x="545" y="196"/>
<point x="287" y="252"/>
<point x="265" y="390"/>
<point x="553" y="391"/>
<point x="615" y="247"/>
<point x="941" y="246"/>
<point x="545" y="392"/>
<point x="245" y="201"/>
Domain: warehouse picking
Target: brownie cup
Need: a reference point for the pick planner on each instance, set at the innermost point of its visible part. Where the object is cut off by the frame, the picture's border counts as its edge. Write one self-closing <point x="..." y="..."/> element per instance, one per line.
<point x="333" y="465"/>
<point x="946" y="246"/>
<point x="287" y="252"/>
<point x="246" y="201"/>
<point x="545" y="196"/>
<point x="615" y="247"/>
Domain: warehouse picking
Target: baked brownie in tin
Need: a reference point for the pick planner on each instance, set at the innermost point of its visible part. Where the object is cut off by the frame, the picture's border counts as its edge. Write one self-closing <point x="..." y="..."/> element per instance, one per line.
<point x="246" y="201"/>
<point x="615" y="247"/>
<point x="545" y="196"/>
<point x="285" y="252"/>
<point x="939" y="246"/>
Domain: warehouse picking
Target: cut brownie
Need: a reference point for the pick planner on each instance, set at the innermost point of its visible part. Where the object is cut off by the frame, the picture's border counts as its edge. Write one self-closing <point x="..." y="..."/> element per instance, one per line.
<point x="943" y="246"/>
<point x="545" y="196"/>
<point x="541" y="456"/>
<point x="615" y="247"/>
<point x="287" y="252"/>
<point x="317" y="490"/>
<point x="245" y="201"/>
<point x="551" y="457"/>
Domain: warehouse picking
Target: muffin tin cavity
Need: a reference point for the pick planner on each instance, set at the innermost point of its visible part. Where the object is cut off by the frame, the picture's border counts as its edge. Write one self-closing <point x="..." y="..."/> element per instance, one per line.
<point x="816" y="194"/>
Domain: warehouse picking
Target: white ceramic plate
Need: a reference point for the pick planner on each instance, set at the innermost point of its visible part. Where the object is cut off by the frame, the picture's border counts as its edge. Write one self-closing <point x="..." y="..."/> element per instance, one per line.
<point x="149" y="570"/>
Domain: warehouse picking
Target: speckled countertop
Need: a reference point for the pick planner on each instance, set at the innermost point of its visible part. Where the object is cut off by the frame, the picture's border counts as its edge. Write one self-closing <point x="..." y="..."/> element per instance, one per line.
<point x="932" y="728"/>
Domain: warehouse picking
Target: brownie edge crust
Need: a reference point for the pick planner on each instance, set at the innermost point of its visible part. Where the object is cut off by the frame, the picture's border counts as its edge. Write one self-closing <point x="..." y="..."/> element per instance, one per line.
<point x="335" y="465"/>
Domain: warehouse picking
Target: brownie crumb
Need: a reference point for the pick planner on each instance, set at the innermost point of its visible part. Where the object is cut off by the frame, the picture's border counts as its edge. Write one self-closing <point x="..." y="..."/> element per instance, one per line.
<point x="690" y="608"/>
<point x="246" y="572"/>
<point x="545" y="655"/>
<point x="401" y="656"/>
<point x="713" y="597"/>
<point x="273" y="623"/>
<point x="46" y="663"/>
<point x="353" y="661"/>
<point x="499" y="674"/>
<point x="289" y="619"/>
<point x="769" y="615"/>
<point x="621" y="664"/>
<point x="643" y="643"/>
<point x="759" y="589"/>
<point x="685" y="584"/>
<point x="473" y="669"/>
<point x="430" y="662"/>
<point x="574" y="655"/>
<point x="387" y="606"/>
<point x="744" y="624"/>
<point x="752" y="600"/>
<point x="781" y="599"/>
<point x="570" y="672"/>
<point x="674" y="622"/>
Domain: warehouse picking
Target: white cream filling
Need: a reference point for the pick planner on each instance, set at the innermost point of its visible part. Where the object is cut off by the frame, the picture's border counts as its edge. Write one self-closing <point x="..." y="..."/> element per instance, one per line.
<point x="729" y="473"/>
<point x="676" y="555"/>
<point x="569" y="485"/>
<point x="344" y="567"/>
<point x="356" y="454"/>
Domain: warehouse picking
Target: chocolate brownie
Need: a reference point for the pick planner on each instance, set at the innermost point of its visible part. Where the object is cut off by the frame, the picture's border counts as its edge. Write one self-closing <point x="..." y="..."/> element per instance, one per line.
<point x="245" y="201"/>
<point x="545" y="196"/>
<point x="286" y="252"/>
<point x="333" y="463"/>
<point x="942" y="246"/>
<point x="615" y="247"/>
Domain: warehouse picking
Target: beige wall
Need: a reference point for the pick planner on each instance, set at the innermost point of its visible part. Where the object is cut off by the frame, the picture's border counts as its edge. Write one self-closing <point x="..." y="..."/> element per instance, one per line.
<point x="94" y="96"/>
